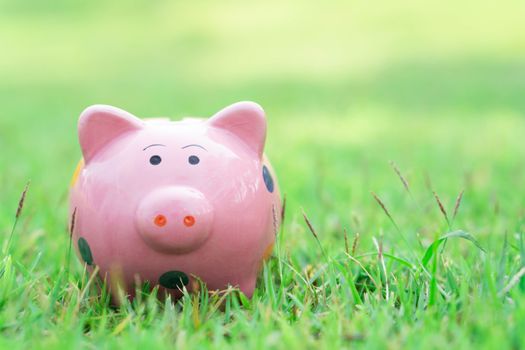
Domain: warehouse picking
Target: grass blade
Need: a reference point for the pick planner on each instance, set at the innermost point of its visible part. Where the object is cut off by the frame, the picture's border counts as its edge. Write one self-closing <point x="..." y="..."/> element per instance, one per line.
<point x="454" y="234"/>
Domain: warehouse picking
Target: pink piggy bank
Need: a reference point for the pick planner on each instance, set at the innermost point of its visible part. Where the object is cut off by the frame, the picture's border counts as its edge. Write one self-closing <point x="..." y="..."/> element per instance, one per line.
<point x="171" y="202"/>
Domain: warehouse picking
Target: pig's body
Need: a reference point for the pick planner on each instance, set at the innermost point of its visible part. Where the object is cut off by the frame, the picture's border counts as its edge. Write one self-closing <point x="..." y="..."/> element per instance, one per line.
<point x="165" y="202"/>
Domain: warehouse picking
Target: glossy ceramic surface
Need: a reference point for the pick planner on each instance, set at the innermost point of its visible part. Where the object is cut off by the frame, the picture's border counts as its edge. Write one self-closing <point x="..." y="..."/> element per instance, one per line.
<point x="167" y="202"/>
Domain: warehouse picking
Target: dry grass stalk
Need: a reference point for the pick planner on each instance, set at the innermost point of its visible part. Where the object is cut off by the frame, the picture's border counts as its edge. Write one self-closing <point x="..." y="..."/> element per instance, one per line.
<point x="310" y="227"/>
<point x="22" y="201"/>
<point x="441" y="207"/>
<point x="383" y="206"/>
<point x="401" y="177"/>
<point x="71" y="231"/>
<point x="274" y="220"/>
<point x="314" y="233"/>
<point x="458" y="204"/>
<point x="283" y="210"/>
<point x="347" y="249"/>
<point x="355" y="243"/>
<point x="72" y="223"/>
<point x="19" y="209"/>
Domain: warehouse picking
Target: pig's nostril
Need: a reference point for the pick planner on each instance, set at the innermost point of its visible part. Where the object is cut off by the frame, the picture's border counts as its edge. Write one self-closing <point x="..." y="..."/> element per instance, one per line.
<point x="160" y="220"/>
<point x="189" y="221"/>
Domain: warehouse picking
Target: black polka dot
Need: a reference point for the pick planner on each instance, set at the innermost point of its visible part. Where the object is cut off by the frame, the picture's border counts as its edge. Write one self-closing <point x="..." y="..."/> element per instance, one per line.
<point x="85" y="251"/>
<point x="155" y="160"/>
<point x="268" y="181"/>
<point x="193" y="160"/>
<point x="173" y="280"/>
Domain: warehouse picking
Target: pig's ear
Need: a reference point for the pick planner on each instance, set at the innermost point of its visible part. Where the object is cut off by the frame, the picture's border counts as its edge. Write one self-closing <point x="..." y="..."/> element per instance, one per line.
<point x="99" y="125"/>
<point x="247" y="121"/>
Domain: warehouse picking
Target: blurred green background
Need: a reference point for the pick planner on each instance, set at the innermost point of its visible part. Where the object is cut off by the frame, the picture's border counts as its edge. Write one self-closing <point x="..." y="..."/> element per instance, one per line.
<point x="348" y="86"/>
<point x="438" y="87"/>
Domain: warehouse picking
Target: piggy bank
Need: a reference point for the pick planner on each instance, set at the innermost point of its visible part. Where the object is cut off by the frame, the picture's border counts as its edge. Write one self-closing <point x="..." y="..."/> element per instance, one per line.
<point x="171" y="202"/>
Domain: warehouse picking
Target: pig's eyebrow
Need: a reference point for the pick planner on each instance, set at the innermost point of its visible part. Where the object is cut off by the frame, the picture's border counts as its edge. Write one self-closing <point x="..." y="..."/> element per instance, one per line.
<point x="155" y="144"/>
<point x="195" y="145"/>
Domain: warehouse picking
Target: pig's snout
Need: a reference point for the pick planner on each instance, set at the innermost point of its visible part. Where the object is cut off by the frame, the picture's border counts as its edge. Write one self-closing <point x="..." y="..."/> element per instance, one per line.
<point x="174" y="219"/>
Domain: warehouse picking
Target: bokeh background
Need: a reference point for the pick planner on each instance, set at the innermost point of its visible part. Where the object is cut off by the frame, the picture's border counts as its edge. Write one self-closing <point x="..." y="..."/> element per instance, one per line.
<point x="438" y="87"/>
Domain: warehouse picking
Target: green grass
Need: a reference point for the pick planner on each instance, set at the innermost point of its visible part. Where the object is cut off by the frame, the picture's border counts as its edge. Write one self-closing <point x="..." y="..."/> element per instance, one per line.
<point x="438" y="88"/>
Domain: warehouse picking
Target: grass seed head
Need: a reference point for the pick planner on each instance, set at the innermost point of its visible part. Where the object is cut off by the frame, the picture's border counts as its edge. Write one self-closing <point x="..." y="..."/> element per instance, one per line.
<point x="401" y="177"/>
<point x="72" y="223"/>
<point x="283" y="210"/>
<point x="441" y="206"/>
<point x="22" y="201"/>
<point x="458" y="204"/>
<point x="355" y="243"/>
<point x="347" y="250"/>
<point x="310" y="227"/>
<point x="383" y="206"/>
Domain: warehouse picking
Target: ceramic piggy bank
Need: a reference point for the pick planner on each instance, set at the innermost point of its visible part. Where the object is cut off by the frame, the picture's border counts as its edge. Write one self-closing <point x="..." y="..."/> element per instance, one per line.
<point x="172" y="202"/>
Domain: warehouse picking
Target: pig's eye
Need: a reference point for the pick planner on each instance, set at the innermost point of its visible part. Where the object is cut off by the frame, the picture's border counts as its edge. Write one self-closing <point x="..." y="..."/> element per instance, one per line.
<point x="193" y="160"/>
<point x="155" y="160"/>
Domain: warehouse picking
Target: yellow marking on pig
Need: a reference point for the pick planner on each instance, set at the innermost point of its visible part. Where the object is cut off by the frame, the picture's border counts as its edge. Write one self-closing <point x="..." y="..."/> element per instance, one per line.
<point x="74" y="179"/>
<point x="268" y="252"/>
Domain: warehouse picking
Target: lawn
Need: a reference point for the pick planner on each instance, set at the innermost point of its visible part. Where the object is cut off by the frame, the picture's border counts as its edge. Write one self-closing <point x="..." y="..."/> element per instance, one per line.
<point x="391" y="127"/>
